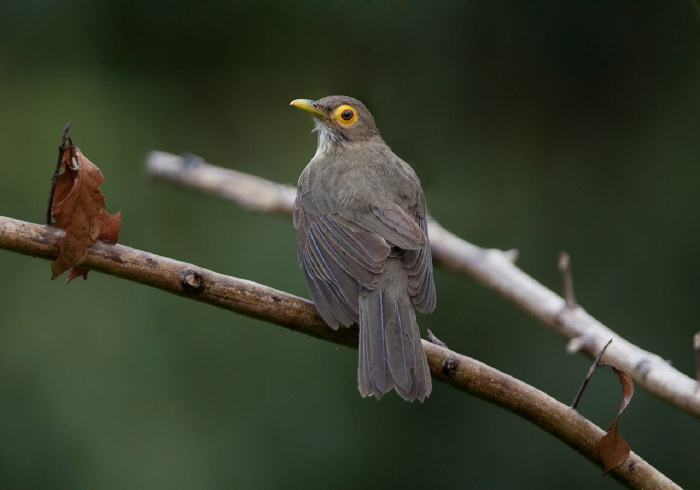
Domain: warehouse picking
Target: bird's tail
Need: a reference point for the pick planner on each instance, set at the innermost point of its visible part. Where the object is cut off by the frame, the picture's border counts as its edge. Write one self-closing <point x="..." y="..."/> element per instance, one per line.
<point x="391" y="354"/>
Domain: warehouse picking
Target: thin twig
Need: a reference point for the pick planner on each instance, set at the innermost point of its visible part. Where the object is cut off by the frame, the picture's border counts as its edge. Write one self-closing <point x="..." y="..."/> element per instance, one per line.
<point x="590" y="372"/>
<point x="297" y="314"/>
<point x="494" y="269"/>
<point x="54" y="178"/>
<point x="567" y="280"/>
<point x="433" y="339"/>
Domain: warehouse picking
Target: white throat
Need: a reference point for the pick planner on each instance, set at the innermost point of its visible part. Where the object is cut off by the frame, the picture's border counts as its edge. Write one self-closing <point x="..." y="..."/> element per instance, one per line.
<point x="326" y="139"/>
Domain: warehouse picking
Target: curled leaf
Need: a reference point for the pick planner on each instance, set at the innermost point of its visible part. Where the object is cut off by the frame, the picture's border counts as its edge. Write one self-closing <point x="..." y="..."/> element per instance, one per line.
<point x="627" y="387"/>
<point x="109" y="231"/>
<point x="78" y="207"/>
<point x="613" y="449"/>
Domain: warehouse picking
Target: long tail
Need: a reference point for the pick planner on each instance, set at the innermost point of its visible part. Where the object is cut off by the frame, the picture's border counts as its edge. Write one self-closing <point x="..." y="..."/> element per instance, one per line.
<point x="391" y="354"/>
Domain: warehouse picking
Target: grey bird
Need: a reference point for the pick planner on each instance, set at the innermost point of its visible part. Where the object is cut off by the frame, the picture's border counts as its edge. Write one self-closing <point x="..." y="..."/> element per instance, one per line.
<point x="363" y="245"/>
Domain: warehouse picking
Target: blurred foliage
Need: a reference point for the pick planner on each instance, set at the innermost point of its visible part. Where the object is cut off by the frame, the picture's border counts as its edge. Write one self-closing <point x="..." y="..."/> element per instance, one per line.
<point x="542" y="126"/>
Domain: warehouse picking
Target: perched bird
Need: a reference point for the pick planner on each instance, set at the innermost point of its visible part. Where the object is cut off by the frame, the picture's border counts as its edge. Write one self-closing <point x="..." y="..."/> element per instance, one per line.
<point x="363" y="245"/>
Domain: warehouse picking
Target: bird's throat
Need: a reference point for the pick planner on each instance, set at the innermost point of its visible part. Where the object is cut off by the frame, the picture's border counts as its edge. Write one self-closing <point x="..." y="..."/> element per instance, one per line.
<point x="327" y="141"/>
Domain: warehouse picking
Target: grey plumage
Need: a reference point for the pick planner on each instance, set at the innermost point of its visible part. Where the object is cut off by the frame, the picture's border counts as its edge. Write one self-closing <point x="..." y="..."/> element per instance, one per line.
<point x="364" y="248"/>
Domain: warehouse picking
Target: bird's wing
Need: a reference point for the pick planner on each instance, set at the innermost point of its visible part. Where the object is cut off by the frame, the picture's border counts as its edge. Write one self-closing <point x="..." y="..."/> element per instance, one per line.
<point x="338" y="257"/>
<point x="395" y="225"/>
<point x="409" y="233"/>
<point x="419" y="266"/>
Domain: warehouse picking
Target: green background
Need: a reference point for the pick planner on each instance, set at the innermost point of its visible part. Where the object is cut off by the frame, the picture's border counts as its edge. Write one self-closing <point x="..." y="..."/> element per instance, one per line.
<point x="542" y="126"/>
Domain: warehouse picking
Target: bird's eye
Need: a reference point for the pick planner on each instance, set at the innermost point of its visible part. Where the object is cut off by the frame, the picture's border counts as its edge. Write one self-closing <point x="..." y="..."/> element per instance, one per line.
<point x="345" y="115"/>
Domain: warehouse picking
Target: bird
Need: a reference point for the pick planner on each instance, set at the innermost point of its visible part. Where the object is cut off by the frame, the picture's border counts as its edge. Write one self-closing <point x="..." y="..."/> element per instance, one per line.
<point x="362" y="242"/>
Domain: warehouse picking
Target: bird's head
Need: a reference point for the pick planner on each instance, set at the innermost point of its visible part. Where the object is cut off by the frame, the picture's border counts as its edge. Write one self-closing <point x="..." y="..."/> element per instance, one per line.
<point x="340" y="120"/>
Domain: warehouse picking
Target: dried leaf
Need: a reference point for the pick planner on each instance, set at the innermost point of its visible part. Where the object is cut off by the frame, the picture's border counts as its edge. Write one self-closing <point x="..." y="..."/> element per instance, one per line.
<point x="109" y="231"/>
<point x="612" y="448"/>
<point x="627" y="387"/>
<point x="78" y="208"/>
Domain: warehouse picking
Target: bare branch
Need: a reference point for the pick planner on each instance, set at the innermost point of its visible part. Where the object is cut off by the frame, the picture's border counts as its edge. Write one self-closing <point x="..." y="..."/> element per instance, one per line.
<point x="492" y="268"/>
<point x="258" y="301"/>
<point x="239" y="295"/>
<point x="247" y="190"/>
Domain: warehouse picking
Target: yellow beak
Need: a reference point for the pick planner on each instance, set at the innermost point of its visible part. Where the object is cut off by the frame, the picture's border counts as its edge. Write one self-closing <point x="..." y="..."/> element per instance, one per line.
<point x="309" y="106"/>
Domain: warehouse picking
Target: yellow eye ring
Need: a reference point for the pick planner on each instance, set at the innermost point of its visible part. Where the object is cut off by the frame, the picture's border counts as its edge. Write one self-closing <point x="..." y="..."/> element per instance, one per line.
<point x="345" y="115"/>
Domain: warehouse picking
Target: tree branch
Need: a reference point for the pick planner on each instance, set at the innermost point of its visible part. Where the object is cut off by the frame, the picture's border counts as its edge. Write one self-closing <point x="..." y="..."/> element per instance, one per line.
<point x="494" y="269"/>
<point x="258" y="301"/>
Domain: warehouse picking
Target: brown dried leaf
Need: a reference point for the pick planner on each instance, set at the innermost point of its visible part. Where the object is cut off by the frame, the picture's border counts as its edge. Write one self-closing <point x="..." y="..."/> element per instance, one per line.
<point x="78" y="208"/>
<point x="109" y="231"/>
<point x="613" y="448"/>
<point x="627" y="387"/>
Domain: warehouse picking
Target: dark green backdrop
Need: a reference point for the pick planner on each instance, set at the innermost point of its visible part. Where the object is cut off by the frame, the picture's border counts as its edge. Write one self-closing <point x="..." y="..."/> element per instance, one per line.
<point x="542" y="126"/>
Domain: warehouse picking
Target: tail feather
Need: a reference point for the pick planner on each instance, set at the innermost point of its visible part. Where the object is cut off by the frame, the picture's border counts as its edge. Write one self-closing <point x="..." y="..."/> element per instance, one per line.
<point x="391" y="353"/>
<point x="400" y="343"/>
<point x="422" y="382"/>
<point x="374" y="374"/>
